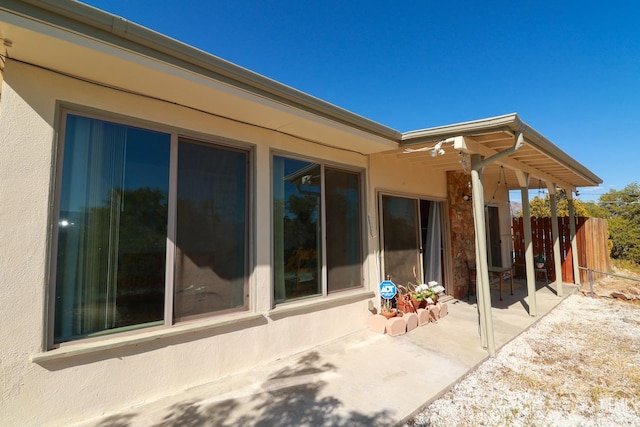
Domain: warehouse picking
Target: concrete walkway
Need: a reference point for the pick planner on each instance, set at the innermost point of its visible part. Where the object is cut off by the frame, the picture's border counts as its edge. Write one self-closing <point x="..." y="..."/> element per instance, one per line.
<point x="364" y="379"/>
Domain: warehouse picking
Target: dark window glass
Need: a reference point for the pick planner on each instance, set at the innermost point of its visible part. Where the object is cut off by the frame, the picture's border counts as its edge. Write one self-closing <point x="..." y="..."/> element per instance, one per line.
<point x="211" y="242"/>
<point x="344" y="236"/>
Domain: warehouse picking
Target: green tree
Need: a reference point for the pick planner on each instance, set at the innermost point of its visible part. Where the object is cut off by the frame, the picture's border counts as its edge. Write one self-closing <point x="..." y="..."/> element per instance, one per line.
<point x="623" y="221"/>
<point x="541" y="207"/>
<point x="596" y="211"/>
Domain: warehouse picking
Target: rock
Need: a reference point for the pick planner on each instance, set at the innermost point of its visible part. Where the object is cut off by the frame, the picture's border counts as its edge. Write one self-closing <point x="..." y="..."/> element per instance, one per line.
<point x="619" y="295"/>
<point x="633" y="290"/>
<point x="396" y="326"/>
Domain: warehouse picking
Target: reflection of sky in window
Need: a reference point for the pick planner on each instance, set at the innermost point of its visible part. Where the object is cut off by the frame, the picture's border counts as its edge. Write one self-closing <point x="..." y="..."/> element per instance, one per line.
<point x="147" y="160"/>
<point x="400" y="208"/>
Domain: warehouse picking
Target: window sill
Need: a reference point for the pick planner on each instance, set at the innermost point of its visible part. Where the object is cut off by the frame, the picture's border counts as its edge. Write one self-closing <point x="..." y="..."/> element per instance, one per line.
<point x="84" y="348"/>
<point x="310" y="306"/>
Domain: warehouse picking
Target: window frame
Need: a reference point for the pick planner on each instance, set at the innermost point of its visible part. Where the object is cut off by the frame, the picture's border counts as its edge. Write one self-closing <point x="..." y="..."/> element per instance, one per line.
<point x="175" y="135"/>
<point x="362" y="229"/>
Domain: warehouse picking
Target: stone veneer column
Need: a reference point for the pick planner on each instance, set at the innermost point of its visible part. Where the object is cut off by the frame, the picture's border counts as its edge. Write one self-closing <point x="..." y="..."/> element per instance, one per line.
<point x="462" y="230"/>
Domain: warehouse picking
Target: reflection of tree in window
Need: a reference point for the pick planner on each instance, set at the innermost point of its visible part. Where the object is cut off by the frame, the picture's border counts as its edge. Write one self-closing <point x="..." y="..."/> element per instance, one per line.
<point x="298" y="229"/>
<point x="141" y="256"/>
<point x="301" y="236"/>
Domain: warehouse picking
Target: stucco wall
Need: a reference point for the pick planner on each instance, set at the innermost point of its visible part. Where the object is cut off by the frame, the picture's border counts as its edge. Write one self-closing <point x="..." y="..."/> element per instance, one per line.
<point x="69" y="388"/>
<point x="94" y="379"/>
<point x="393" y="175"/>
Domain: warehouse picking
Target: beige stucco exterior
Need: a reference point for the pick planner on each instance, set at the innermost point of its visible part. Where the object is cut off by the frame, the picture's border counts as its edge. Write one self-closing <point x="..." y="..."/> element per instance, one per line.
<point x="87" y="379"/>
<point x="91" y="378"/>
<point x="54" y="68"/>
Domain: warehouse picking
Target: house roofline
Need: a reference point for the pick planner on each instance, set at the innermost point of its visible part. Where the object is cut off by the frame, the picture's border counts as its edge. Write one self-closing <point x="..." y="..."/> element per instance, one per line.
<point x="95" y="23"/>
<point x="506" y="123"/>
<point x="90" y="22"/>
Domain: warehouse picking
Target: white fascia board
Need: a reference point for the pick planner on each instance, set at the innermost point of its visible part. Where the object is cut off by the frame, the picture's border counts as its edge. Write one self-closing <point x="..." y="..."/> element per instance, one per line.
<point x="470" y="128"/>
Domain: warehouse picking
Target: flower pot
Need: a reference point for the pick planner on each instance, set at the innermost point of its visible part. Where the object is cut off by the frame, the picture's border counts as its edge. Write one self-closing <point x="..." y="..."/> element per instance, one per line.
<point x="405" y="305"/>
<point x="389" y="314"/>
<point x="416" y="304"/>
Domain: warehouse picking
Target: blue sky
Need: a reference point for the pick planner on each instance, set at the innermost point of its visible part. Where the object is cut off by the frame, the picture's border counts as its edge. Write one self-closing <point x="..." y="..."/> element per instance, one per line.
<point x="570" y="69"/>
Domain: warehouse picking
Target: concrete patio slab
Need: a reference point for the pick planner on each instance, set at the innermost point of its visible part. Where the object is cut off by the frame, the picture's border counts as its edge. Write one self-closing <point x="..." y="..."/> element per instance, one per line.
<point x="364" y="379"/>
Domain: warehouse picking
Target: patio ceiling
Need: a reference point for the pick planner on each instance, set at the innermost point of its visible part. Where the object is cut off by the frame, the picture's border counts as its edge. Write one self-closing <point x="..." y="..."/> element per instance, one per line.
<point x="541" y="159"/>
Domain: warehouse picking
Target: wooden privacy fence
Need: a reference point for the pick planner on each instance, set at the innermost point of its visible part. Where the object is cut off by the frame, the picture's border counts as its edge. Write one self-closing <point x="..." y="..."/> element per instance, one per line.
<point x="592" y="239"/>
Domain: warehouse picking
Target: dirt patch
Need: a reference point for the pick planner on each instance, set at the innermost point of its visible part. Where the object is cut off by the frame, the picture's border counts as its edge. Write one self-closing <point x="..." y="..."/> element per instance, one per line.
<point x="616" y="287"/>
<point x="576" y="366"/>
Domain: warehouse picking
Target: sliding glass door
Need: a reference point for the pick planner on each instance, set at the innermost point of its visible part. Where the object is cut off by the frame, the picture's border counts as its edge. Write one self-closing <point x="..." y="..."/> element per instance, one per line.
<point x="401" y="242"/>
<point x="411" y="239"/>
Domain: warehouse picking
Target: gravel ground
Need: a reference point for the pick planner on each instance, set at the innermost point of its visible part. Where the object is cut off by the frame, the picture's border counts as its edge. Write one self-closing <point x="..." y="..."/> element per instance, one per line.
<point x="577" y="366"/>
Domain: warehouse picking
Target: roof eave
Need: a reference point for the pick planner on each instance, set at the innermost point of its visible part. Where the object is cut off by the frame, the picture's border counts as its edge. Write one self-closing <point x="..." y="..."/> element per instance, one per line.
<point x="506" y="123"/>
<point x="475" y="127"/>
<point x="95" y="23"/>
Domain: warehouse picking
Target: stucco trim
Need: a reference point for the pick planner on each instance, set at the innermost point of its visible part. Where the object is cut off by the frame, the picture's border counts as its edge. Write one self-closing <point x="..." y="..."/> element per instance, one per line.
<point x="211" y="325"/>
<point x="310" y="306"/>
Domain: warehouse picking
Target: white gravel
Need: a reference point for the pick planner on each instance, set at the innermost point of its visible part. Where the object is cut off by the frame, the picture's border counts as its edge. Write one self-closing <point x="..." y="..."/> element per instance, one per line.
<point x="578" y="366"/>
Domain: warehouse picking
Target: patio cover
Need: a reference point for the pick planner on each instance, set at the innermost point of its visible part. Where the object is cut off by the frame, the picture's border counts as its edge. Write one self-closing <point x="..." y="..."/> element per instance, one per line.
<point x="540" y="158"/>
<point x="503" y="144"/>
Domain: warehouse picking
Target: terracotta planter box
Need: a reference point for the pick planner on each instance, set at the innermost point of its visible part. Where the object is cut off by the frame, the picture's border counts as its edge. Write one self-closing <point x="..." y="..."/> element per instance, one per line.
<point x="398" y="322"/>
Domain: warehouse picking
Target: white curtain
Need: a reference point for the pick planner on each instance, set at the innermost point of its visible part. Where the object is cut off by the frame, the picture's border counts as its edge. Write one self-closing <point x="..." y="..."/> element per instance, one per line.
<point x="433" y="244"/>
<point x="92" y="192"/>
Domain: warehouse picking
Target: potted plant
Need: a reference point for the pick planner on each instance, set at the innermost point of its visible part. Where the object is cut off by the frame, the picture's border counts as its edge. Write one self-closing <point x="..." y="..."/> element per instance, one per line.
<point x="435" y="290"/>
<point x="404" y="302"/>
<point x="387" y="310"/>
<point x="540" y="260"/>
<point x="422" y="294"/>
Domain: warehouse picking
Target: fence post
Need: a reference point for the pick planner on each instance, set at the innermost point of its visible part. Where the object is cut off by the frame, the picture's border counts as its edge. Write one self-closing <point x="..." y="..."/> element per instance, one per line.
<point x="591" y="281"/>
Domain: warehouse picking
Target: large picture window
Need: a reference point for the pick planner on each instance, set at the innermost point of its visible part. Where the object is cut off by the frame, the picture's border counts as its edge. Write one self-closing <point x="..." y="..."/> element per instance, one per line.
<point x="317" y="229"/>
<point x="113" y="235"/>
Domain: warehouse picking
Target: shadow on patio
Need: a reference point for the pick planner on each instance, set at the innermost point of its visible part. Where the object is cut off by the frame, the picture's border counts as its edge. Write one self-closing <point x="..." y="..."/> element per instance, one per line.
<point x="362" y="379"/>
